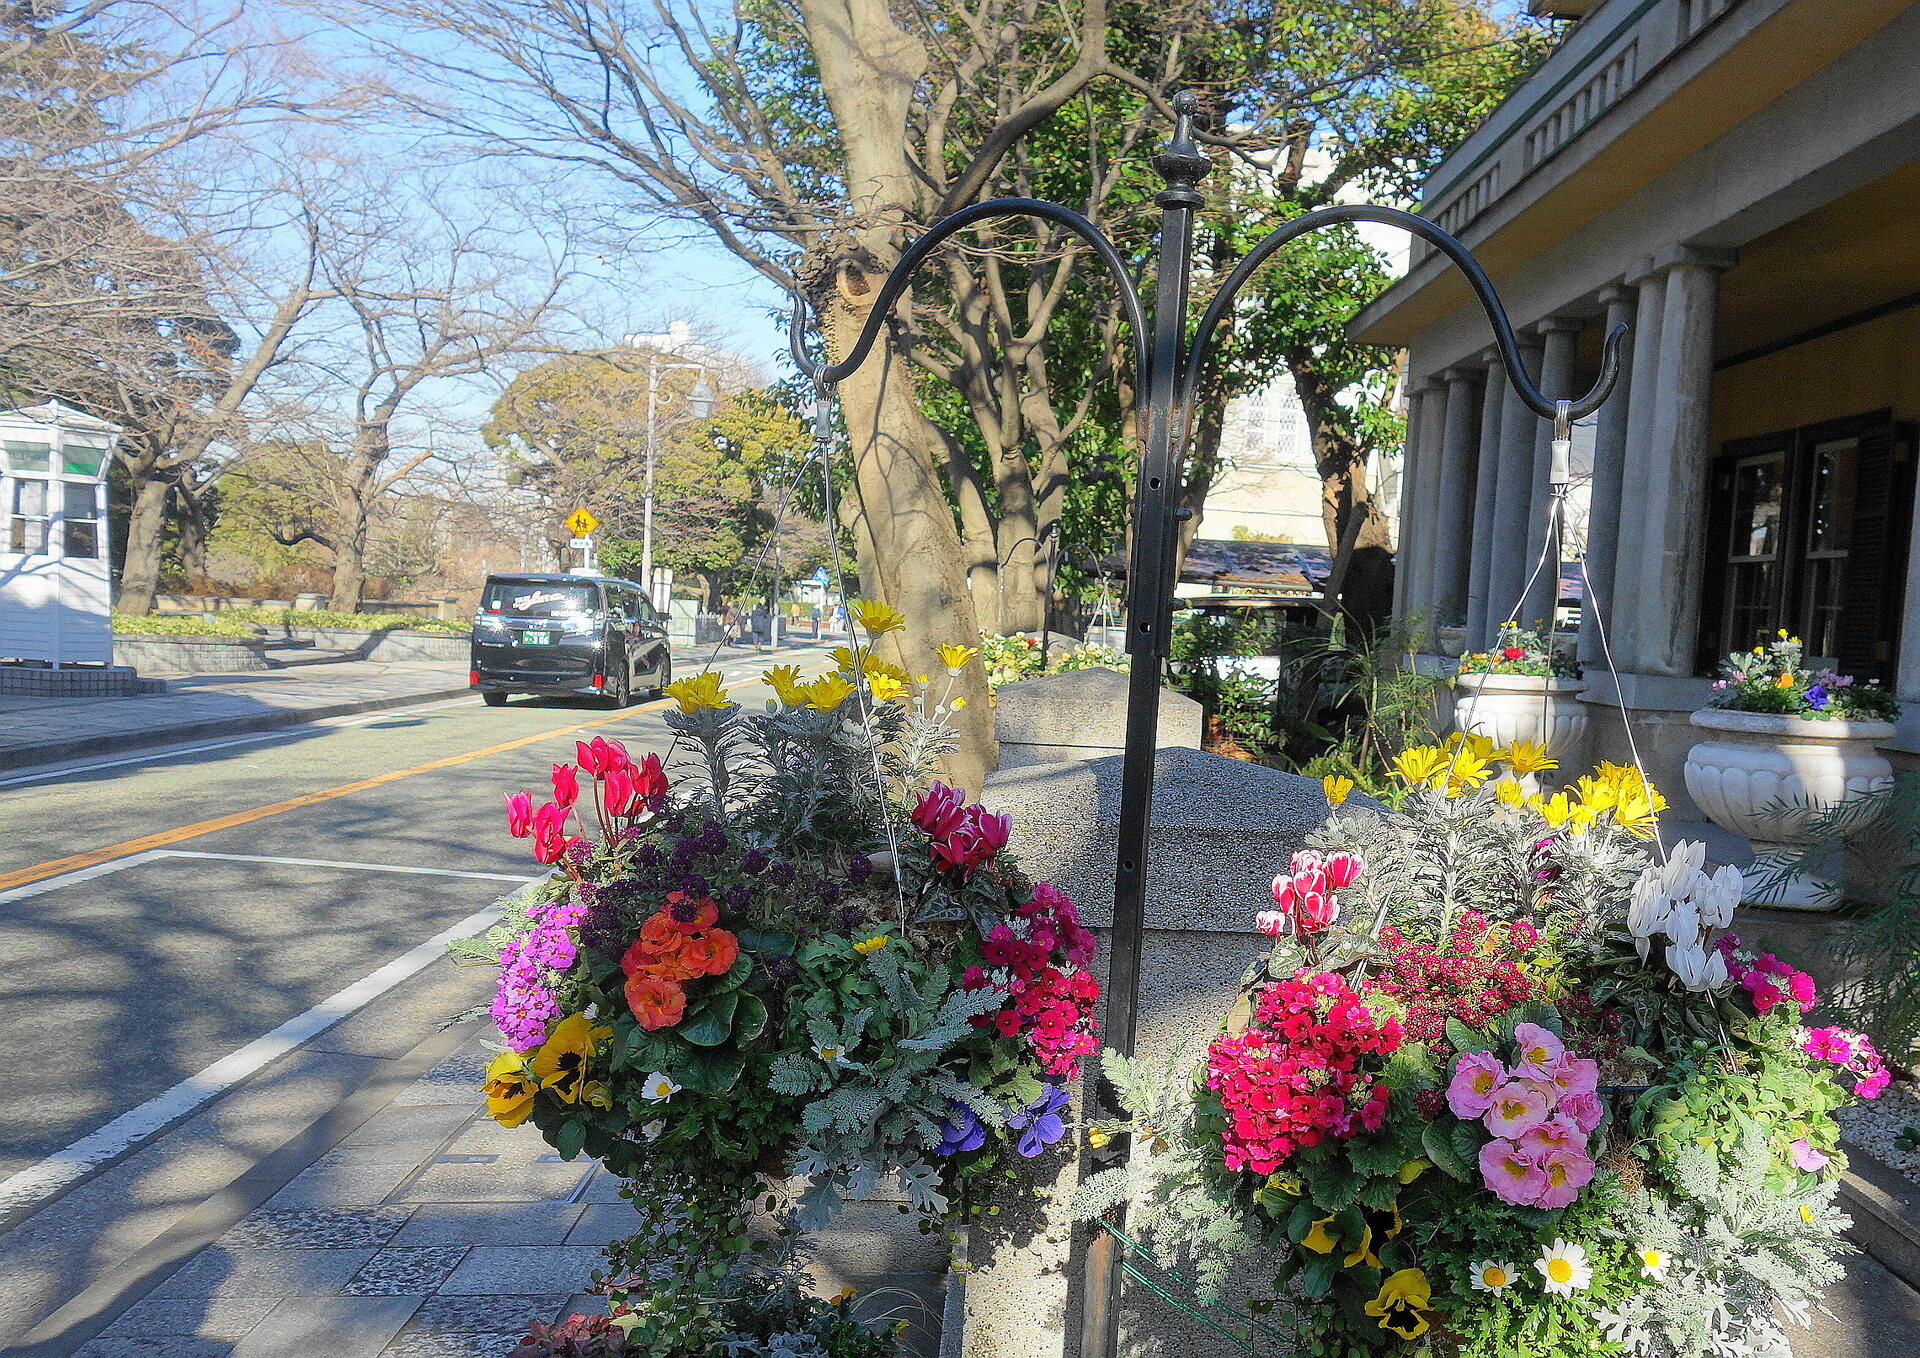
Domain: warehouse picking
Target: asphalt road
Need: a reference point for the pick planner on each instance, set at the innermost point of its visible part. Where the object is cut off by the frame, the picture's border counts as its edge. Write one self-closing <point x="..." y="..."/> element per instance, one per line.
<point x="134" y="967"/>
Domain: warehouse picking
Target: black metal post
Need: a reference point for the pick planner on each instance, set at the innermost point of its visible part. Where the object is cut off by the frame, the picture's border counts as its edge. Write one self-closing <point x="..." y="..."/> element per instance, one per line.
<point x="1169" y="370"/>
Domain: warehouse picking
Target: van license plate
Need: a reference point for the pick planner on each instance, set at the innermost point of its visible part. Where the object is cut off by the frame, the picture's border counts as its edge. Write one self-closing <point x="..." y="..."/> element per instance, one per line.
<point x="535" y="638"/>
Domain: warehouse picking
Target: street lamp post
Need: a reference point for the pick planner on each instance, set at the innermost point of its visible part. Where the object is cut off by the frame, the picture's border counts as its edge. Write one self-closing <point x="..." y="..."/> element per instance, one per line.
<point x="1168" y="368"/>
<point x="700" y="405"/>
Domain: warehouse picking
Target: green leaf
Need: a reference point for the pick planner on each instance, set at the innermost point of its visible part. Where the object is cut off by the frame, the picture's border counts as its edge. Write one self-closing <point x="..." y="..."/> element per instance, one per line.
<point x="715" y="1022"/>
<point x="1465" y="1038"/>
<point x="1439" y="1148"/>
<point x="1316" y="1279"/>
<point x="736" y="975"/>
<point x="1334" y="1189"/>
<point x="570" y="1137"/>
<point x="1467" y="1141"/>
<point x="750" y="1019"/>
<point x="1379" y="1194"/>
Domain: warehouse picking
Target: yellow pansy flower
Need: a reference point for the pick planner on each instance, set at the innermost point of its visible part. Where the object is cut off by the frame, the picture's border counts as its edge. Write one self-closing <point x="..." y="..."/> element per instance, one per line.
<point x="1403" y="1299"/>
<point x="596" y="1094"/>
<point x="1784" y="681"/>
<point x="700" y="691"/>
<point x="1526" y="756"/>
<point x="1337" y="788"/>
<point x="828" y="692"/>
<point x="1412" y="1170"/>
<point x="786" y="685"/>
<point x="878" y="618"/>
<point x="1319" y="1240"/>
<point x="509" y="1088"/>
<point x="1418" y="764"/>
<point x="955" y="658"/>
<point x="561" y="1063"/>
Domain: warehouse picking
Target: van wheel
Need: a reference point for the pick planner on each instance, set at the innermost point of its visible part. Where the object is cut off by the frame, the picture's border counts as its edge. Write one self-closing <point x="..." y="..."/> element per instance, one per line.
<point x="618" y="695"/>
<point x="493" y="697"/>
<point x="666" y="677"/>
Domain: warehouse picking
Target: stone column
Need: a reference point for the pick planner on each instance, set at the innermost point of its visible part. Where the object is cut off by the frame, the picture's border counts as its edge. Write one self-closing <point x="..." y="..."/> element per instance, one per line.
<point x="1413" y="545"/>
<point x="1603" y="504"/>
<point x="1558" y="336"/>
<point x="1453" y="499"/>
<point x="1512" y="499"/>
<point x="1643" y="373"/>
<point x="1668" y="472"/>
<point x="1486" y="479"/>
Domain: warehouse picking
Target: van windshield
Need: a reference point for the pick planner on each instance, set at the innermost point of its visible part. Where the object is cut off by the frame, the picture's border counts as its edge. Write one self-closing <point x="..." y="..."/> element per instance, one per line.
<point x="540" y="600"/>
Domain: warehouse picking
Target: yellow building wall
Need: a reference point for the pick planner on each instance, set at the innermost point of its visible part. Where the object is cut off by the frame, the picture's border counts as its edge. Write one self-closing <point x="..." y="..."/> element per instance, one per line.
<point x="1865" y="368"/>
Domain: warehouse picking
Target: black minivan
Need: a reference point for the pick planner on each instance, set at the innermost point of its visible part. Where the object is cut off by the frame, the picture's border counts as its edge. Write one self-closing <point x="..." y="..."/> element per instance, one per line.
<point x="568" y="636"/>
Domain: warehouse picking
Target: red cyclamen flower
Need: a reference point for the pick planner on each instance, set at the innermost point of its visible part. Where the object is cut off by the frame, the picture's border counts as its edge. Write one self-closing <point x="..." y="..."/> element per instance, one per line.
<point x="566" y="784"/>
<point x="520" y="814"/>
<point x="549" y="833"/>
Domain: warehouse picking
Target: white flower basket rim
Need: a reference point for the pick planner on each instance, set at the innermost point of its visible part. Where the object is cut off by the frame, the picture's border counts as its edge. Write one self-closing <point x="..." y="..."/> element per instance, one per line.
<point x="1518" y="683"/>
<point x="1781" y="727"/>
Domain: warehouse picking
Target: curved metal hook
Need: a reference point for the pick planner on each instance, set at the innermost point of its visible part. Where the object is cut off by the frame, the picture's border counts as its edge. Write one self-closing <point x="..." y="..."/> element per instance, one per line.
<point x="1453" y="250"/>
<point x="824" y="375"/>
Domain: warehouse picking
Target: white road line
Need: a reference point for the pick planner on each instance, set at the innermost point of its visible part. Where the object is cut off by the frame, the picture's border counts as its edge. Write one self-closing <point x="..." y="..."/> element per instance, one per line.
<point x="51" y="1175"/>
<point x="330" y="863"/>
<point x="20" y="893"/>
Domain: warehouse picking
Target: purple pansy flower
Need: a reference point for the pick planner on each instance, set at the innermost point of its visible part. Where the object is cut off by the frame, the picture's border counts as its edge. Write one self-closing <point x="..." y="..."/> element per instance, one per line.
<point x="963" y="1131"/>
<point x="1040" y="1123"/>
<point x="1817" y="697"/>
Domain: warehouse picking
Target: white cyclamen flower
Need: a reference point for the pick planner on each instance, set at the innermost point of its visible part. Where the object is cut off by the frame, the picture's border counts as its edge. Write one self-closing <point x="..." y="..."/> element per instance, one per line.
<point x="1647" y="910"/>
<point x="1700" y="970"/>
<point x="1686" y="860"/>
<point x="658" y="1088"/>
<point x="1564" y="1268"/>
<point x="1724" y="891"/>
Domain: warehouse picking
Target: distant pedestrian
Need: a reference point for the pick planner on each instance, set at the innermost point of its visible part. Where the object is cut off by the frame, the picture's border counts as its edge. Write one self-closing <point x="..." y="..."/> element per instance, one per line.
<point x="760" y="626"/>
<point x="729" y="624"/>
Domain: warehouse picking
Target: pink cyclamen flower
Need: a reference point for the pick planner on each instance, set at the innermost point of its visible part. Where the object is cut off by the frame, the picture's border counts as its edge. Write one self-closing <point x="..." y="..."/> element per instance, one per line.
<point x="1540" y="1051"/>
<point x="1513" y="1175"/>
<point x="549" y="833"/>
<point x="1805" y="1157"/>
<point x="1517" y="1108"/>
<point x="1566" y="1173"/>
<point x="1583" y="1109"/>
<point x="619" y="793"/>
<point x="649" y="779"/>
<point x="940" y="810"/>
<point x="1343" y="869"/>
<point x="1476" y="1076"/>
<point x="1555" y="1134"/>
<point x="1283" y="891"/>
<point x="1315" y="911"/>
<point x="1272" y="923"/>
<point x="520" y="815"/>
<point x="600" y="755"/>
<point x="566" y="784"/>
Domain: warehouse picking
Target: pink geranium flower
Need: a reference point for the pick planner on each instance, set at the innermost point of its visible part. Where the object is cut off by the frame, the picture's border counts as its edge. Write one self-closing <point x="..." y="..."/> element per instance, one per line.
<point x="1566" y="1172"/>
<point x="1517" y="1108"/>
<point x="1511" y="1174"/>
<point x="1476" y="1076"/>
<point x="1540" y="1051"/>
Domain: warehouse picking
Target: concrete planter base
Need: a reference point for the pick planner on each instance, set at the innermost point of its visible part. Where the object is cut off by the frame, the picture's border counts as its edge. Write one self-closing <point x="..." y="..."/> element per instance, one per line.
<point x="1509" y="707"/>
<point x="91" y="681"/>
<point x="191" y="655"/>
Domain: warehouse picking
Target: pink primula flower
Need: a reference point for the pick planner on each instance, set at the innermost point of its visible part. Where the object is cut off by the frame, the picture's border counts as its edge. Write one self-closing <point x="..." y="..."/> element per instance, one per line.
<point x="1513" y="1175"/>
<point x="1517" y="1107"/>
<point x="1583" y="1109"/>
<point x="1554" y="1134"/>
<point x="1805" y="1157"/>
<point x="1476" y="1076"/>
<point x="1540" y="1051"/>
<point x="1566" y="1173"/>
<point x="1574" y="1075"/>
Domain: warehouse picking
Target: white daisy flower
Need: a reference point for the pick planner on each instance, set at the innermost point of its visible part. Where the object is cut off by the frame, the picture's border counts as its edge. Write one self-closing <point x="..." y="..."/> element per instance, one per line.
<point x="1654" y="1263"/>
<point x="658" y="1088"/>
<point x="652" y="1130"/>
<point x="832" y="1053"/>
<point x="1565" y="1269"/>
<point x="1492" y="1275"/>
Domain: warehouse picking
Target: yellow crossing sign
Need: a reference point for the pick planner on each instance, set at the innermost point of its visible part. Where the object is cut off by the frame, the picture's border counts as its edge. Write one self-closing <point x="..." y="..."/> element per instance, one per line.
<point x="582" y="523"/>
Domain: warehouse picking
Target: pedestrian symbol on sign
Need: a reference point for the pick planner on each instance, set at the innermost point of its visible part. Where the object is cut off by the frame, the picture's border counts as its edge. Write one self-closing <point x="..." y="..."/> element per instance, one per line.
<point x="582" y="523"/>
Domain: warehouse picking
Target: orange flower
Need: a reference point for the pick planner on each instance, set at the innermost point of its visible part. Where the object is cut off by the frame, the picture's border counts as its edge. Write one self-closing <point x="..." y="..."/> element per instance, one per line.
<point x="655" y="1002"/>
<point x="663" y="959"/>
<point x="705" y="917"/>
<point x="713" y="952"/>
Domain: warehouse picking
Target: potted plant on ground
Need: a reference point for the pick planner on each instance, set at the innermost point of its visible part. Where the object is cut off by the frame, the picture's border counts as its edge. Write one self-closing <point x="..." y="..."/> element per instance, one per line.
<point x="1503" y="1087"/>
<point x="1788" y="749"/>
<point x="802" y="956"/>
<point x="1522" y="689"/>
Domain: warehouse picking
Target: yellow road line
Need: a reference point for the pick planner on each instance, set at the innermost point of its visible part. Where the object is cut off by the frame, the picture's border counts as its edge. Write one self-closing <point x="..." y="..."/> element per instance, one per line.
<point x="166" y="837"/>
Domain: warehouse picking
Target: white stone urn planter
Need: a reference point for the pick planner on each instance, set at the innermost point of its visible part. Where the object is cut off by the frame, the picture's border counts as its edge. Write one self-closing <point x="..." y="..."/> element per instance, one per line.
<point x="1769" y="777"/>
<point x="1509" y="707"/>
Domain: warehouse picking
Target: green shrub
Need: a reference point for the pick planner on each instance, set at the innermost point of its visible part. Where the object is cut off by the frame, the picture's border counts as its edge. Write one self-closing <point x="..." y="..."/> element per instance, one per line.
<point x="359" y="622"/>
<point x="179" y="625"/>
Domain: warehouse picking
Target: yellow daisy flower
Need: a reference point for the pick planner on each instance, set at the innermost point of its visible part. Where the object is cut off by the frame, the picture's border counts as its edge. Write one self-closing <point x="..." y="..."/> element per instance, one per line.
<point x="1418" y="764"/>
<point x="786" y="685"/>
<point x="828" y="692"/>
<point x="697" y="693"/>
<point x="1526" y="756"/>
<point x="1337" y="788"/>
<point x="878" y="618"/>
<point x="955" y="658"/>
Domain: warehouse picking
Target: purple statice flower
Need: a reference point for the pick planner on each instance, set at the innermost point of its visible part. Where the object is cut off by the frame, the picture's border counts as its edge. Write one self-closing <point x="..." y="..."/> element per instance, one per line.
<point x="1040" y="1123"/>
<point x="753" y="862"/>
<point x="859" y="869"/>
<point x="782" y="874"/>
<point x="1817" y="697"/>
<point x="687" y="908"/>
<point x="962" y="1131"/>
<point x="694" y="884"/>
<point x="647" y="856"/>
<point x="829" y="893"/>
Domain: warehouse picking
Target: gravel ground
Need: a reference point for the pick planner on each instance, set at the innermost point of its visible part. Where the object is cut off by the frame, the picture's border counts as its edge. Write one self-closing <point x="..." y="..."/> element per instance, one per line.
<point x="1873" y="1126"/>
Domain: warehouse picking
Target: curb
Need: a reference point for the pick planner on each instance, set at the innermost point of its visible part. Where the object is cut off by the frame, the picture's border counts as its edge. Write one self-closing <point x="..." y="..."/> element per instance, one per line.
<point x="83" y="1316"/>
<point x="58" y="751"/>
<point x="1885" y="1207"/>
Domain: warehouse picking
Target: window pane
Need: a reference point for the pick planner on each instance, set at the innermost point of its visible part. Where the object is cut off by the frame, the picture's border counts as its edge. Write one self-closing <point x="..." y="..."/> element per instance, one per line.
<point x="1832" y="512"/>
<point x="1749" y="604"/>
<point x="30" y="497"/>
<point x="82" y="538"/>
<point x="1757" y="488"/>
<point x="26" y="457"/>
<point x="27" y="536"/>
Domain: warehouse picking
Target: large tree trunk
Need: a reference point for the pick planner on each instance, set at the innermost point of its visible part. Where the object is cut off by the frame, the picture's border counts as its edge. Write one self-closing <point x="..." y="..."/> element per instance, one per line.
<point x="1361" y="584"/>
<point x="146" y="541"/>
<point x="349" y="563"/>
<point x="193" y="520"/>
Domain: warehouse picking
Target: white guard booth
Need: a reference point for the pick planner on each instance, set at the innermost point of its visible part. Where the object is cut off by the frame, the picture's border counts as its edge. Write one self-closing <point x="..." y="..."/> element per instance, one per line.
<point x="55" y="576"/>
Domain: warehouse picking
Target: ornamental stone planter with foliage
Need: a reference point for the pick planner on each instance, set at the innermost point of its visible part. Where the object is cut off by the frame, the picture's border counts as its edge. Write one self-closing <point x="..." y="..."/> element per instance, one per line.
<point x="1773" y="778"/>
<point x="386" y="645"/>
<point x="1509" y="707"/>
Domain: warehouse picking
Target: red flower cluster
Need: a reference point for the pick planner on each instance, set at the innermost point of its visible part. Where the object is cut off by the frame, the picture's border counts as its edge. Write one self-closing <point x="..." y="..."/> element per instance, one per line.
<point x="964" y="837"/>
<point x="1476" y="979"/>
<point x="621" y="788"/>
<point x="1768" y="980"/>
<point x="1295" y="1076"/>
<point x="1051" y="1006"/>
<point x="672" y="951"/>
